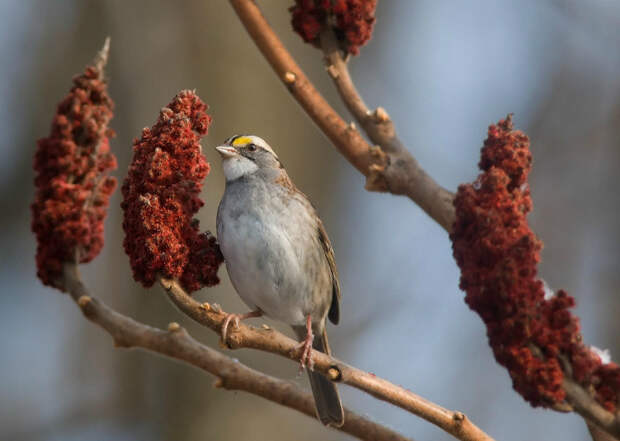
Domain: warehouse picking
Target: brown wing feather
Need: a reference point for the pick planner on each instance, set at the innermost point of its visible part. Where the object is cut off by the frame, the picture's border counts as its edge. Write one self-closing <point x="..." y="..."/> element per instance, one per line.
<point x="334" y="309"/>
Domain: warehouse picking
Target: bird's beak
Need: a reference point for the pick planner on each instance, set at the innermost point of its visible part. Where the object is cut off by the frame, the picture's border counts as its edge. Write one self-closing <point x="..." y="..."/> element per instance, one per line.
<point x="226" y="151"/>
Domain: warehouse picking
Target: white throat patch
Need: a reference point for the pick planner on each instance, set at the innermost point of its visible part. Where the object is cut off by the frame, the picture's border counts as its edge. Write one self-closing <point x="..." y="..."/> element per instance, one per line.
<point x="238" y="166"/>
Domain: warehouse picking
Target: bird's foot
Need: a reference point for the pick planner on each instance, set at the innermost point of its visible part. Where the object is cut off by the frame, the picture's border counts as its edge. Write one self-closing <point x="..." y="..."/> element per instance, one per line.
<point x="305" y="347"/>
<point x="236" y="319"/>
<point x="305" y="359"/>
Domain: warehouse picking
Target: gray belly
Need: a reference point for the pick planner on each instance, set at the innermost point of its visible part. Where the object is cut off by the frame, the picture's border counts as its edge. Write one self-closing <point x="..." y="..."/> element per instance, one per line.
<point x="275" y="261"/>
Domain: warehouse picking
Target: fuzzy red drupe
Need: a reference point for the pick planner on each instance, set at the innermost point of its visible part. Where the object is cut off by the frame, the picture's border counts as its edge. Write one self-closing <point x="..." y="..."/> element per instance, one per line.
<point x="498" y="253"/>
<point x="351" y="20"/>
<point x="72" y="185"/>
<point x="161" y="196"/>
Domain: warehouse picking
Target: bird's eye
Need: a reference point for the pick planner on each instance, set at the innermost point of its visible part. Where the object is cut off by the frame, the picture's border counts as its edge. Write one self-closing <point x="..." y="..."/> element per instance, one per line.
<point x="252" y="147"/>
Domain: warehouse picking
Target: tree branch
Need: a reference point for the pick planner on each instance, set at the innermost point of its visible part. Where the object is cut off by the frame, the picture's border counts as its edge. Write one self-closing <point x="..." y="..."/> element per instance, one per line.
<point x="599" y="434"/>
<point x="402" y="172"/>
<point x="583" y="403"/>
<point x="389" y="167"/>
<point x="178" y="344"/>
<point x="269" y="340"/>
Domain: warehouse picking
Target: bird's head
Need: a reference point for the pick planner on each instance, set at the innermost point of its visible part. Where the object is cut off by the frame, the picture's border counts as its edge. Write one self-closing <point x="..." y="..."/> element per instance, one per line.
<point x="244" y="155"/>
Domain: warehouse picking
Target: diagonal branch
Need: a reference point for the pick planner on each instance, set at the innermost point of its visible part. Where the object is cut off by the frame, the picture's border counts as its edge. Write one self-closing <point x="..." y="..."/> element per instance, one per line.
<point x="380" y="130"/>
<point x="402" y="172"/>
<point x="178" y="344"/>
<point x="389" y="167"/>
<point x="599" y="434"/>
<point x="595" y="415"/>
<point x="269" y="340"/>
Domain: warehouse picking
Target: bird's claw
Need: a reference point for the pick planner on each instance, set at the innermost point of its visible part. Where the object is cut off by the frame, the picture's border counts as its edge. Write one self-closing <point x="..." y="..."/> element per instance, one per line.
<point x="305" y="358"/>
<point x="234" y="318"/>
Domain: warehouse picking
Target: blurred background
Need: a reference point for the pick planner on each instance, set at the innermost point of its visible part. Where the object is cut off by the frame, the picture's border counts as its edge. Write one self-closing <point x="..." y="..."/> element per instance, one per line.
<point x="444" y="72"/>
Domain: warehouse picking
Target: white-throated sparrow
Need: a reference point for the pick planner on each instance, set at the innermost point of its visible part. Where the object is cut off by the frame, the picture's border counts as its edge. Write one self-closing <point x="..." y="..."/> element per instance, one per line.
<point x="278" y="255"/>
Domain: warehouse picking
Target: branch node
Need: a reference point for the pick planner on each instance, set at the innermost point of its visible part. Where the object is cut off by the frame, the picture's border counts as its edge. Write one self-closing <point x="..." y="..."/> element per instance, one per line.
<point x="381" y="115"/>
<point x="459" y="417"/>
<point x="166" y="283"/>
<point x="562" y="407"/>
<point x="375" y="181"/>
<point x="216" y="308"/>
<point x="218" y="383"/>
<point x="334" y="374"/>
<point x="289" y="78"/>
<point x="266" y="327"/>
<point x="332" y="71"/>
<point x="83" y="301"/>
<point x="352" y="127"/>
<point x="173" y="327"/>
<point x="205" y="306"/>
<point x="378" y="154"/>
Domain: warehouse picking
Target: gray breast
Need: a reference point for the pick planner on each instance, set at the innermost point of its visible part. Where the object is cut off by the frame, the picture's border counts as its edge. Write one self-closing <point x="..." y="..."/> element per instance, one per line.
<point x="268" y="236"/>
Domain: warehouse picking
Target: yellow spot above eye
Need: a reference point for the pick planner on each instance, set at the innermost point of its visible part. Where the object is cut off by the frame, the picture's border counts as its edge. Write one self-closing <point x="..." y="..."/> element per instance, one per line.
<point x="242" y="140"/>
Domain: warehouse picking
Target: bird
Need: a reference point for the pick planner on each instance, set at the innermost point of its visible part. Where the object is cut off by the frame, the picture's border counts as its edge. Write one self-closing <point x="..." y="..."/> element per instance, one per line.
<point x="279" y="257"/>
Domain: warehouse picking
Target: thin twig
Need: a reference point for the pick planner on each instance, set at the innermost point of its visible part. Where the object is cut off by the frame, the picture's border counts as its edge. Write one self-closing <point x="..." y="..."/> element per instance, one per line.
<point x="583" y="403"/>
<point x="349" y="142"/>
<point x="101" y="59"/>
<point x="389" y="167"/>
<point x="599" y="434"/>
<point x="232" y="375"/>
<point x="380" y="129"/>
<point x="402" y="173"/>
<point x="269" y="340"/>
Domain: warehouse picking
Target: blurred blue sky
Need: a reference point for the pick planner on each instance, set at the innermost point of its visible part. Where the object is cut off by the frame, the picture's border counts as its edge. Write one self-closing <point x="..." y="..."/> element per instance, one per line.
<point x="444" y="71"/>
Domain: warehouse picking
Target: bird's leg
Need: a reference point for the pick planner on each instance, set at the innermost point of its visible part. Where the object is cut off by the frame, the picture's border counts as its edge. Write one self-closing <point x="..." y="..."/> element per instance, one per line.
<point x="235" y="319"/>
<point x="306" y="347"/>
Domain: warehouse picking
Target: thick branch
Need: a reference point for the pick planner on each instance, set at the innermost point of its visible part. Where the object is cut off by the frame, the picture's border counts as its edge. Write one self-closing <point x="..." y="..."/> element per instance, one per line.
<point x="269" y="340"/>
<point x="389" y="167"/>
<point x="232" y="375"/>
<point x="349" y="142"/>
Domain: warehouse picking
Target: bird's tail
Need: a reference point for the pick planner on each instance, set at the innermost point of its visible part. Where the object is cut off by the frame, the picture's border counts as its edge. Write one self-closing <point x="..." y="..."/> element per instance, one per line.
<point x="326" y="397"/>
